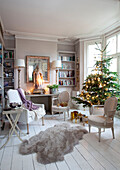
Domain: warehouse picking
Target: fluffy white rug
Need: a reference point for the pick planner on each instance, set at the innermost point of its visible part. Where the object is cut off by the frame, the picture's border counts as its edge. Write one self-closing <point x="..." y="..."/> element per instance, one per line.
<point x="51" y="144"/>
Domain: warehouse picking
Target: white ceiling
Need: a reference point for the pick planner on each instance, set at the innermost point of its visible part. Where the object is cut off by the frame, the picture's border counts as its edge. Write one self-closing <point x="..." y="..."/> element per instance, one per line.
<point x="64" y="18"/>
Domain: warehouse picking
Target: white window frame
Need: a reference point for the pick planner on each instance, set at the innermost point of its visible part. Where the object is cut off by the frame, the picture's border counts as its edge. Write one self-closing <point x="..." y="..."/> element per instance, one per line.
<point x="86" y="44"/>
<point x="117" y="54"/>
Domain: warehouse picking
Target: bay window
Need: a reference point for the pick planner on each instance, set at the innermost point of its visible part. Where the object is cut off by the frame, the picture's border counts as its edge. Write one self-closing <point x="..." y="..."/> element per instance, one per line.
<point x="92" y="56"/>
<point x="113" y="50"/>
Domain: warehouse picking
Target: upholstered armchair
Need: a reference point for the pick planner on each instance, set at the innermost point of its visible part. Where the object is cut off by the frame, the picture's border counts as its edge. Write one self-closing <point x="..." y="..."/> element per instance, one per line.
<point x="27" y="116"/>
<point x="107" y="119"/>
<point x="62" y="103"/>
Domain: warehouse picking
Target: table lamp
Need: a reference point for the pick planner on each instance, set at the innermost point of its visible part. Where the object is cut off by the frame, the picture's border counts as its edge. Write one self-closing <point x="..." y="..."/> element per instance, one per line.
<point x="56" y="64"/>
<point x="19" y="63"/>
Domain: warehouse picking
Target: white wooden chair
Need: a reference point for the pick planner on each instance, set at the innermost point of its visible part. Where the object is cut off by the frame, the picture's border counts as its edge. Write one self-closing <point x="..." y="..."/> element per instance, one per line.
<point x="26" y="115"/>
<point x="62" y="97"/>
<point x="106" y="120"/>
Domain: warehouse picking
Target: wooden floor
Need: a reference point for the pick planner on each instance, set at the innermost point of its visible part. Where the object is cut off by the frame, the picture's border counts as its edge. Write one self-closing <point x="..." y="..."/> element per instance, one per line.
<point x="88" y="154"/>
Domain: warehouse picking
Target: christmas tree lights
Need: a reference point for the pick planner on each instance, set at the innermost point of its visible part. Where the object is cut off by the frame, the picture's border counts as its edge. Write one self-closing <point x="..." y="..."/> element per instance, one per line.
<point x="100" y="85"/>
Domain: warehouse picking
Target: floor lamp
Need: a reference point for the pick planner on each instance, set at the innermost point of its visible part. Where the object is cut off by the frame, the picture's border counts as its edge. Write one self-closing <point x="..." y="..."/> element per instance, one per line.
<point x="19" y="63"/>
<point x="56" y="64"/>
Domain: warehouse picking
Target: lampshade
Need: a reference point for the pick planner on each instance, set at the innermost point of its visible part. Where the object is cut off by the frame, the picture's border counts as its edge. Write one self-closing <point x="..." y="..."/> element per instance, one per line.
<point x="56" y="64"/>
<point x="19" y="63"/>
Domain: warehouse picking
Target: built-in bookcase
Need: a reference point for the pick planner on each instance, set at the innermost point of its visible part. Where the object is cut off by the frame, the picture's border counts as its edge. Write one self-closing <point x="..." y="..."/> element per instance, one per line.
<point x="67" y="74"/>
<point x="8" y="69"/>
<point x="1" y="78"/>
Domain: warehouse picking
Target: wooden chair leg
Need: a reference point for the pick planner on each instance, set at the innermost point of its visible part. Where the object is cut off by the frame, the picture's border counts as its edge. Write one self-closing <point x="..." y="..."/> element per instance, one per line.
<point x="64" y="115"/>
<point x="27" y="128"/>
<point x="42" y="121"/>
<point x="113" y="132"/>
<point x="68" y="113"/>
<point x="89" y="128"/>
<point x="99" y="134"/>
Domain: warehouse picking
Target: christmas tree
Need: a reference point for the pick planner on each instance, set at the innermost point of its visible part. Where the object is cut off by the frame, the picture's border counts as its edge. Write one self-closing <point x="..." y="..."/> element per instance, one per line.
<point x="100" y="85"/>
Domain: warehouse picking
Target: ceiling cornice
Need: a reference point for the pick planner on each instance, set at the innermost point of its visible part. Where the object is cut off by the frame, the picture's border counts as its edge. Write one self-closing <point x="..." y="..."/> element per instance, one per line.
<point x="53" y="38"/>
<point x="112" y="28"/>
<point x="90" y="38"/>
<point x="65" y="43"/>
<point x="33" y="36"/>
<point x="106" y="32"/>
<point x="40" y="37"/>
<point x="112" y="32"/>
<point x="87" y="39"/>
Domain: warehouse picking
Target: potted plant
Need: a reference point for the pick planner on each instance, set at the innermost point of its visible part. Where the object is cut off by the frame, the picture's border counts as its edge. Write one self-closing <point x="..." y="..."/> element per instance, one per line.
<point x="53" y="88"/>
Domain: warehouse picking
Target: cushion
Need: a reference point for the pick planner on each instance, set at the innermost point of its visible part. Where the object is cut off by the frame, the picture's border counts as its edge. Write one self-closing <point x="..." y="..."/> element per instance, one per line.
<point x="13" y="96"/>
<point x="59" y="108"/>
<point x="99" y="121"/>
<point x="63" y="104"/>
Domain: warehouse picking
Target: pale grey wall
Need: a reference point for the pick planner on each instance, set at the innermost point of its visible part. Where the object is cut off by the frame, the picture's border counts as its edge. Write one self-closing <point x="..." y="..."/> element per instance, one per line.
<point x="26" y="47"/>
<point x="34" y="47"/>
<point x="64" y="47"/>
<point x="82" y="57"/>
<point x="9" y="42"/>
<point x="77" y="50"/>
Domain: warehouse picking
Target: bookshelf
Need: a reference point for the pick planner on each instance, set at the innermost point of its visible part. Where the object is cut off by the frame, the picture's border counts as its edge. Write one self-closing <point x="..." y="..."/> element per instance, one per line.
<point x="1" y="78"/>
<point x="67" y="74"/>
<point x="8" y="69"/>
<point x="77" y="73"/>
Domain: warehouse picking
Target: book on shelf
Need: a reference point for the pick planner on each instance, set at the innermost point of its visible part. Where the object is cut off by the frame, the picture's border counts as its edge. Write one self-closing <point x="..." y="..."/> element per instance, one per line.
<point x="67" y="82"/>
<point x="8" y="55"/>
<point x="8" y="83"/>
<point x="66" y="58"/>
<point x="8" y="64"/>
<point x="0" y="87"/>
<point x="0" y="58"/>
<point x="73" y="58"/>
<point x="66" y="74"/>
<point x="0" y="46"/>
<point x="0" y="98"/>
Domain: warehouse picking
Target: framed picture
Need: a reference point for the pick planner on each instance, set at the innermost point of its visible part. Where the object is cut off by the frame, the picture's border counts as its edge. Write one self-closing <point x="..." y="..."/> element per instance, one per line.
<point x="38" y="64"/>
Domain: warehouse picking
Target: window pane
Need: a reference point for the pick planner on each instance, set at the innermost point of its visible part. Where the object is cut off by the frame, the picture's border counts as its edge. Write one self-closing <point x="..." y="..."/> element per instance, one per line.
<point x="89" y="71"/>
<point x="93" y="55"/>
<point x="111" y="49"/>
<point x="113" y="66"/>
<point x="118" y="42"/>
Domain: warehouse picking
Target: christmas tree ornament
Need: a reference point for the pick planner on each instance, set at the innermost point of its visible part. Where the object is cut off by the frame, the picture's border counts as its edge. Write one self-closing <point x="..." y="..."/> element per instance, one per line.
<point x="101" y="85"/>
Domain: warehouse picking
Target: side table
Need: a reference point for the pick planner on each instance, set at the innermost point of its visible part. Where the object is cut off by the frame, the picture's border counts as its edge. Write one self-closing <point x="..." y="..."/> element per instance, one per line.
<point x="13" y="120"/>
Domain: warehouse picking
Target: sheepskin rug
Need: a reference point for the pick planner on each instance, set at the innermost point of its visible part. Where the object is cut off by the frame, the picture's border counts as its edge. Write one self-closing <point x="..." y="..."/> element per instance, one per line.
<point x="52" y="144"/>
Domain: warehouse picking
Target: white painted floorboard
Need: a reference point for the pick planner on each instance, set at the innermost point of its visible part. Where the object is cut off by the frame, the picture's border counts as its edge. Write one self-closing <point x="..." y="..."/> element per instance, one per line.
<point x="17" y="159"/>
<point x="89" y="154"/>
